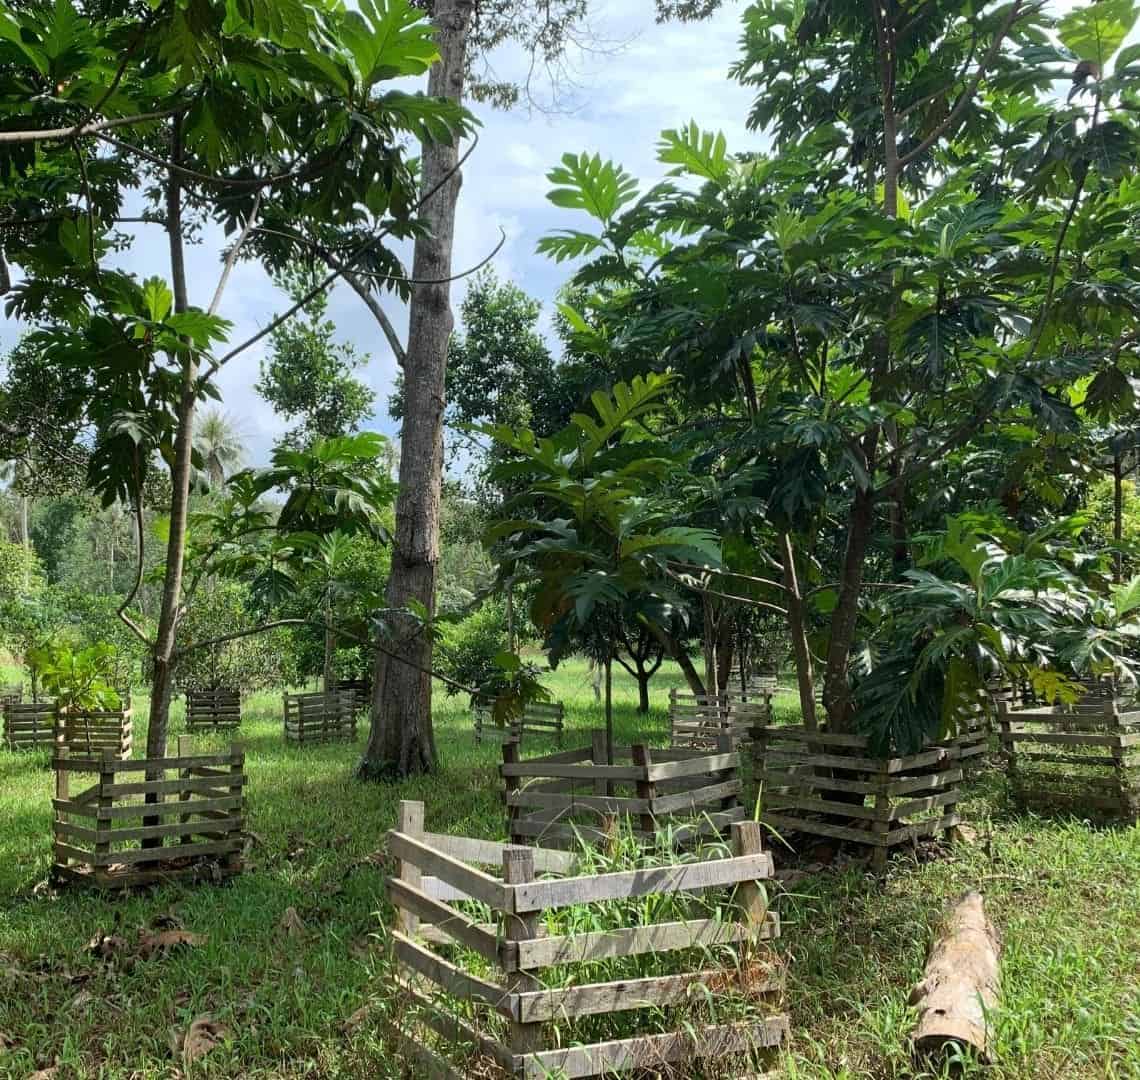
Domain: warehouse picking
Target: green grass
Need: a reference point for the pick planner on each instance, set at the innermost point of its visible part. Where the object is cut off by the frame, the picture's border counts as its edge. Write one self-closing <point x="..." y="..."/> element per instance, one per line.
<point x="1066" y="897"/>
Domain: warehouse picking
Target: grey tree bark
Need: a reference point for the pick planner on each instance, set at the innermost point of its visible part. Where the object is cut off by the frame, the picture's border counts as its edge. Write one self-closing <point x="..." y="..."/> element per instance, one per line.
<point x="180" y="471"/>
<point x="400" y="741"/>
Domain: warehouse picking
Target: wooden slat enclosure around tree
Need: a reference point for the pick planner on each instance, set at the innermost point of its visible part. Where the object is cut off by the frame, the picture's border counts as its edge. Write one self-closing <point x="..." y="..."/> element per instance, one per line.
<point x="361" y="690"/>
<point x="454" y="1016"/>
<point x="1083" y="759"/>
<point x="814" y="784"/>
<point x="539" y="718"/>
<point x="29" y="725"/>
<point x="696" y="721"/>
<point x="320" y="717"/>
<point x="93" y="734"/>
<point x="148" y="819"/>
<point x="213" y="709"/>
<point x="560" y="799"/>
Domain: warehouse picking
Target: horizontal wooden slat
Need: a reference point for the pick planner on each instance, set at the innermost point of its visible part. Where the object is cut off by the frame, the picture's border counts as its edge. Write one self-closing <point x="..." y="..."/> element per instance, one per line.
<point x="453" y="923"/>
<point x="819" y="738"/>
<point x="772" y="779"/>
<point x="687" y="877"/>
<point x="473" y="882"/>
<point x="145" y="764"/>
<point x="619" y="995"/>
<point x="1060" y="738"/>
<point x="541" y="952"/>
<point x="653" y="1051"/>
<point x="95" y="836"/>
<point x="542" y="768"/>
<point x="452" y="1028"/>
<point x="490" y="852"/>
<point x="668" y="770"/>
<point x="1026" y="758"/>
<point x="85" y="807"/>
<point x="784" y="824"/>
<point x="693" y="799"/>
<point x="143" y="787"/>
<point x="602" y="804"/>
<point x="449" y="976"/>
<point x="825" y="806"/>
<point x="922" y="828"/>
<point x="157" y="854"/>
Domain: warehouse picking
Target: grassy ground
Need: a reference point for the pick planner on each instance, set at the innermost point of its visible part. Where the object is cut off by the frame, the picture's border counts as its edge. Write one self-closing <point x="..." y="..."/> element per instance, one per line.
<point x="311" y="1001"/>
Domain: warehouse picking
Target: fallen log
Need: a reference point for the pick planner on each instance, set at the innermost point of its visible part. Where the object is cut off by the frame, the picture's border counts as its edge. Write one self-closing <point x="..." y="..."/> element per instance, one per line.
<point x="958" y="994"/>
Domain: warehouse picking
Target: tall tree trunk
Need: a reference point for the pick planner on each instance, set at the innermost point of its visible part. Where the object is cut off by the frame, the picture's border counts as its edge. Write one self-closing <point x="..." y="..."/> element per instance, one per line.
<point x="26" y="540"/>
<point x="643" y="678"/>
<point x="329" y="677"/>
<point x="609" y="669"/>
<point x="400" y="740"/>
<point x="162" y="670"/>
<point x="676" y="652"/>
<point x="1118" y="517"/>
<point x="836" y="692"/>
<point x="725" y="650"/>
<point x="805" y="676"/>
<point x="708" y="645"/>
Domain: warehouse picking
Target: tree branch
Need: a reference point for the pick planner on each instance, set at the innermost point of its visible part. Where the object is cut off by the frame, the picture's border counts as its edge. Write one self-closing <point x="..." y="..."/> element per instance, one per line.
<point x="232" y="255"/>
<point x="322" y="285"/>
<point x="139" y="553"/>
<point x="95" y="128"/>
<point x="275" y="624"/>
<point x="353" y="278"/>
<point x="968" y="93"/>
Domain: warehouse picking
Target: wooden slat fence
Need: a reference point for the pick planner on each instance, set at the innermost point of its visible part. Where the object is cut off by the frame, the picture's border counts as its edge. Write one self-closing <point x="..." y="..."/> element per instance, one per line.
<point x="564" y="798"/>
<point x="92" y="734"/>
<point x="361" y="690"/>
<point x="108" y="835"/>
<point x="29" y="725"/>
<point x="456" y="1021"/>
<point x="697" y="721"/>
<point x="214" y="709"/>
<point x="814" y="784"/>
<point x="1083" y="760"/>
<point x="320" y="717"/>
<point x="539" y="718"/>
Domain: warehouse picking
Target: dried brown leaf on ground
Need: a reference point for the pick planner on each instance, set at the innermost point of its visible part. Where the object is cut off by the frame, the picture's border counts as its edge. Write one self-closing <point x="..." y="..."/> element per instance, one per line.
<point x="166" y="920"/>
<point x="108" y="946"/>
<point x="200" y="1038"/>
<point x="166" y="941"/>
<point x="292" y="924"/>
<point x="6" y="1042"/>
<point x="45" y="1074"/>
<point x="356" y="1019"/>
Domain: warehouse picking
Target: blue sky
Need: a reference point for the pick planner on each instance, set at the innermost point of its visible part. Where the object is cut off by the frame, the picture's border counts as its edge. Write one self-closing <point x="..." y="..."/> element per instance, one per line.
<point x="640" y="79"/>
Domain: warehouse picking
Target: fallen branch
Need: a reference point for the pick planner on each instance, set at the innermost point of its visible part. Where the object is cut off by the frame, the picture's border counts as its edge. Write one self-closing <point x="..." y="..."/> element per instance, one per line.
<point x="958" y="993"/>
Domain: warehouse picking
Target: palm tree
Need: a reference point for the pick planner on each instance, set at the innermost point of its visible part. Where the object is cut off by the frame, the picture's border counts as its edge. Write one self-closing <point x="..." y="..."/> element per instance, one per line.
<point x="219" y="441"/>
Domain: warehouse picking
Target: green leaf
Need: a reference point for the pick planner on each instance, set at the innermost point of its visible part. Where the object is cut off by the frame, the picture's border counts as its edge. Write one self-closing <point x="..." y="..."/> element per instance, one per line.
<point x="1126" y="598"/>
<point x="1096" y="31"/>
<point x="695" y="152"/>
<point x="158" y="299"/>
<point x="389" y="39"/>
<point x="601" y="188"/>
<point x="826" y="601"/>
<point x="568" y="244"/>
